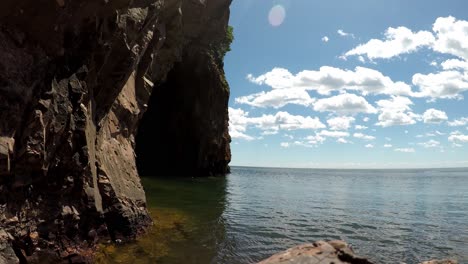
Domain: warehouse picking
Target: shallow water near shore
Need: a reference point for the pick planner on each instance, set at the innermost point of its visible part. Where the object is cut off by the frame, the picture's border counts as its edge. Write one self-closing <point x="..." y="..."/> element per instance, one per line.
<point x="389" y="216"/>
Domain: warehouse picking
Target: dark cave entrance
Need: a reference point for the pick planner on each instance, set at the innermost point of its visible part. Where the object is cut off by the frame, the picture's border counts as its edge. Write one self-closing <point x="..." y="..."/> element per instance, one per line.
<point x="167" y="141"/>
<point x="185" y="129"/>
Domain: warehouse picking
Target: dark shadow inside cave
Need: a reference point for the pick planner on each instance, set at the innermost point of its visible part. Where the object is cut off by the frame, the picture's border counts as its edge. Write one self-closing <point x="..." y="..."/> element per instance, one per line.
<point x="166" y="143"/>
<point x="184" y="131"/>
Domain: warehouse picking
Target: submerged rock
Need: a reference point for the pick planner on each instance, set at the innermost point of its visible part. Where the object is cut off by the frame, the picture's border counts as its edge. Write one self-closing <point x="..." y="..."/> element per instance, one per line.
<point x="76" y="77"/>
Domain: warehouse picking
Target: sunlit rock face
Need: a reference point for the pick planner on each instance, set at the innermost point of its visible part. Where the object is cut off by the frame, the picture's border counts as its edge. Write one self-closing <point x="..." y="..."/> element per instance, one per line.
<point x="337" y="252"/>
<point x="76" y="77"/>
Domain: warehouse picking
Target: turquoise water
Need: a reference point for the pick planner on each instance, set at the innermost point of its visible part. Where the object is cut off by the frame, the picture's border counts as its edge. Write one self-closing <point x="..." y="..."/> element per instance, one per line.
<point x="390" y="216"/>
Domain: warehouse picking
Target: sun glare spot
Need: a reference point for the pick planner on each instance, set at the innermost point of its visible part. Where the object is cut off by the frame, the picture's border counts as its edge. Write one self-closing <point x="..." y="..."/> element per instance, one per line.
<point x="277" y="15"/>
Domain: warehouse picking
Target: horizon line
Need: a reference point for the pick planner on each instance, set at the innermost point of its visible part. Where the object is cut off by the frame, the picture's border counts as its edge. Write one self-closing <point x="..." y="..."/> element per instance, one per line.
<point x="349" y="168"/>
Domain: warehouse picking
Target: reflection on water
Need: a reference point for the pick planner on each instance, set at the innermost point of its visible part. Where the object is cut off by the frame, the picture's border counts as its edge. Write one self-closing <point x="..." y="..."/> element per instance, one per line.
<point x="389" y="216"/>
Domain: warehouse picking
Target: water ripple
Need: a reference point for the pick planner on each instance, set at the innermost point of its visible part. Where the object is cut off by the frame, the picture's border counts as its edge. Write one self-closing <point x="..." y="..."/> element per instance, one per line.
<point x="391" y="216"/>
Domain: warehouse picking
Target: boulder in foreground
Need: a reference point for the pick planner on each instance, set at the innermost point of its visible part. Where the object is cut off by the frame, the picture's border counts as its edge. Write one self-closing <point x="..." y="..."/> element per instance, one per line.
<point x="336" y="252"/>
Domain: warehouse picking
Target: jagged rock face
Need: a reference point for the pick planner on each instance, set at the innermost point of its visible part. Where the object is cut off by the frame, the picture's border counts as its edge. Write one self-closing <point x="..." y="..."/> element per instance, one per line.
<point x="76" y="77"/>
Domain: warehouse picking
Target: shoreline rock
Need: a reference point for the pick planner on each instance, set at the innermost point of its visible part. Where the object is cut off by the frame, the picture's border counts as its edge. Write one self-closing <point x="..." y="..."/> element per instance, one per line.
<point x="337" y="252"/>
<point x="321" y="252"/>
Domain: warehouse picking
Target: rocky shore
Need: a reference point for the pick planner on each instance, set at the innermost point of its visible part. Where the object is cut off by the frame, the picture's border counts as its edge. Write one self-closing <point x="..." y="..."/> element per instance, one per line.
<point x="76" y="78"/>
<point x="321" y="252"/>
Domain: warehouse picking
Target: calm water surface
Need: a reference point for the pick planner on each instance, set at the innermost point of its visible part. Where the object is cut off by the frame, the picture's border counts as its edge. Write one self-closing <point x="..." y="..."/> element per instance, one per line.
<point x="390" y="216"/>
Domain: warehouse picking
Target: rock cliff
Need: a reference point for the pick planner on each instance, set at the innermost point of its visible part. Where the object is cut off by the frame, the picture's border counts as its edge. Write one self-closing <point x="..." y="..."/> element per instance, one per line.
<point x="76" y="78"/>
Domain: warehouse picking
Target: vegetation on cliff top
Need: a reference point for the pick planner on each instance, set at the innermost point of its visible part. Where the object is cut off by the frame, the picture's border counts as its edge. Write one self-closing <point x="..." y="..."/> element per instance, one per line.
<point x="224" y="45"/>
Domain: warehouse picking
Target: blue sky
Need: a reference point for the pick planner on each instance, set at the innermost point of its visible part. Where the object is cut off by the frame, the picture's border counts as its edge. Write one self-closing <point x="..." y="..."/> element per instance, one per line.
<point x="349" y="84"/>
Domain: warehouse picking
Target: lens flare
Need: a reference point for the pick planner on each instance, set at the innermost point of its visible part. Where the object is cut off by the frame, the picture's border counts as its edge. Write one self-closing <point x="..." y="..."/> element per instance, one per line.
<point x="277" y="15"/>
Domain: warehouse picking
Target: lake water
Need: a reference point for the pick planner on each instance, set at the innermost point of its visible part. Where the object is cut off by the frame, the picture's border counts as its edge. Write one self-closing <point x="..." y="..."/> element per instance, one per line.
<point x="389" y="216"/>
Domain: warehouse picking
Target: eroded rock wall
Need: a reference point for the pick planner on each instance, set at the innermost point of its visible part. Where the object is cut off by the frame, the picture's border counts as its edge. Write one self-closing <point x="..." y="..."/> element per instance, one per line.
<point x="76" y="77"/>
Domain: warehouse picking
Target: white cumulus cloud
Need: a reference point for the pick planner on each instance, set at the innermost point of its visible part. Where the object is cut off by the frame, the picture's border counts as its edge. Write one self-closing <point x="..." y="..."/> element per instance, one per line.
<point x="388" y="118"/>
<point x="445" y="84"/>
<point x="344" y="104"/>
<point x="369" y="146"/>
<point x="277" y="98"/>
<point x="452" y="36"/>
<point x="395" y="103"/>
<point x="434" y="116"/>
<point x="325" y="39"/>
<point x="397" y="41"/>
<point x="455" y="64"/>
<point x="396" y="111"/>
<point x="448" y="36"/>
<point x="459" y="122"/>
<point x="240" y="135"/>
<point x="458" y="138"/>
<point x="315" y="139"/>
<point x="239" y="121"/>
<point x="340" y="122"/>
<point x="285" y="121"/>
<point x="277" y="78"/>
<point x="363" y="136"/>
<point x="328" y="79"/>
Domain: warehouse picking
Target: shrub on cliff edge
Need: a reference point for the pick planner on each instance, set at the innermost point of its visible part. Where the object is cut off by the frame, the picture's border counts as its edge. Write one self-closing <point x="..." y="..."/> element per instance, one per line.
<point x="224" y="45"/>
